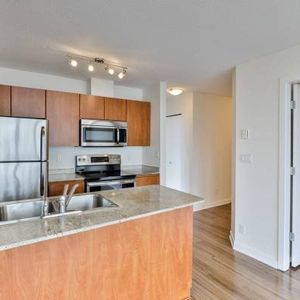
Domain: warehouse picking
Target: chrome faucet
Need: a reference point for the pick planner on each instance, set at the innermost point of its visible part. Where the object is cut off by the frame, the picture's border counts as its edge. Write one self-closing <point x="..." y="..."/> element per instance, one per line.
<point x="65" y="199"/>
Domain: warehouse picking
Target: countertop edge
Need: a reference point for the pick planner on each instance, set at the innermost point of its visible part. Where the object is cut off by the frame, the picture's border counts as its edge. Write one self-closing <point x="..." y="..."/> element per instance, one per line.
<point x="93" y="227"/>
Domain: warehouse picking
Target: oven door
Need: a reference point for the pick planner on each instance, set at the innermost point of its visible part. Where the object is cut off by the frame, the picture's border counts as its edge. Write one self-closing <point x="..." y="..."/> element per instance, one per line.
<point x="96" y="186"/>
<point x="95" y="136"/>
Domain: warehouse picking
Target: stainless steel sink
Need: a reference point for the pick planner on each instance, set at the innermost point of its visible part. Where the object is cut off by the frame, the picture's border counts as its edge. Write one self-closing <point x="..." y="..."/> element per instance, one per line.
<point x="89" y="202"/>
<point x="33" y="209"/>
<point x="21" y="210"/>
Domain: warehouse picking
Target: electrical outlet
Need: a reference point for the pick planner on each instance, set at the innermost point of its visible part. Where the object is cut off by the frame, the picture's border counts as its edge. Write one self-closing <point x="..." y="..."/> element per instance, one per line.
<point x="246" y="158"/>
<point x="242" y="229"/>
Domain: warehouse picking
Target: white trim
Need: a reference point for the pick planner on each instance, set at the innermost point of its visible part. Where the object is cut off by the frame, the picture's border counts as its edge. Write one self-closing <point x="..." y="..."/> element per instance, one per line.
<point x="284" y="175"/>
<point x="260" y="256"/>
<point x="231" y="239"/>
<point x="206" y="205"/>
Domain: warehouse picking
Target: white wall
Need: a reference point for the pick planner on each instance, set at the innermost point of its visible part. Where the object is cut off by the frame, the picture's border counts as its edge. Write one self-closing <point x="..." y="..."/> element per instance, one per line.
<point x="205" y="149"/>
<point x="256" y="184"/>
<point x="63" y="157"/>
<point x="212" y="149"/>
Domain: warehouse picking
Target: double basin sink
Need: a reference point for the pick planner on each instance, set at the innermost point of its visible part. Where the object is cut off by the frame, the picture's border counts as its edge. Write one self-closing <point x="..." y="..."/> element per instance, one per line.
<point x="30" y="209"/>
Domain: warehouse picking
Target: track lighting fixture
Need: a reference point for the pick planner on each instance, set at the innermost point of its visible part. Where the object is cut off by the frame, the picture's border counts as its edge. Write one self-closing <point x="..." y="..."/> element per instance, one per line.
<point x="110" y="67"/>
<point x="91" y="68"/>
<point x="73" y="63"/>
<point x="110" y="70"/>
<point x="122" y="74"/>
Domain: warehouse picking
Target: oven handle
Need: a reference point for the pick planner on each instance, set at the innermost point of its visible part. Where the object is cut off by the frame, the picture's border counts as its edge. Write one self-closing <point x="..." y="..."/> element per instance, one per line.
<point x="114" y="182"/>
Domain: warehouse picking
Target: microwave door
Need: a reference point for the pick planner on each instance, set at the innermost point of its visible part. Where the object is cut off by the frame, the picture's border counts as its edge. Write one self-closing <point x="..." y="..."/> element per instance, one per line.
<point x="23" y="139"/>
<point x="99" y="136"/>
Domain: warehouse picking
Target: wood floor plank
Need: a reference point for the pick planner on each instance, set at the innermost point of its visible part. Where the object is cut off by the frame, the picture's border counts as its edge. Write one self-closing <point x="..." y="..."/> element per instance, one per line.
<point x="219" y="272"/>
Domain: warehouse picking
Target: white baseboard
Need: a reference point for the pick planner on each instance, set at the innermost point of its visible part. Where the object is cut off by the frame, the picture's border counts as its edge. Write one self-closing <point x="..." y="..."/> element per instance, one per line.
<point x="231" y="239"/>
<point x="206" y="204"/>
<point x="258" y="255"/>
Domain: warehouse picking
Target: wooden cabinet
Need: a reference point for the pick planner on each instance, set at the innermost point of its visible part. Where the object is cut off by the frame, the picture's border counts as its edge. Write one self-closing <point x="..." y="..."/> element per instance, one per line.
<point x="57" y="188"/>
<point x="142" y="180"/>
<point x="4" y="100"/>
<point x="91" y="107"/>
<point x="138" y="118"/>
<point x="115" y="109"/>
<point x="27" y="102"/>
<point x="63" y="116"/>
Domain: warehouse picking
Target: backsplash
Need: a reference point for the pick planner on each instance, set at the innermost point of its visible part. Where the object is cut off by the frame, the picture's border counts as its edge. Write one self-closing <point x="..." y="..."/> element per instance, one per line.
<point x="64" y="157"/>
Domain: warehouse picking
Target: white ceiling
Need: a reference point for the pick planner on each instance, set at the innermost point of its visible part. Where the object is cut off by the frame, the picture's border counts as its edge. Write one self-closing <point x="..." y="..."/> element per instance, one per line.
<point x="190" y="43"/>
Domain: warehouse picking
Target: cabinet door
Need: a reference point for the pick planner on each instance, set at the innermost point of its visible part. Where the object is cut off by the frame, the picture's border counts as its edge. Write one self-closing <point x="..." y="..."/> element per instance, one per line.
<point x="91" y="107"/>
<point x="57" y="188"/>
<point x="138" y="118"/>
<point x="150" y="179"/>
<point x="4" y="100"/>
<point x="27" y="102"/>
<point x="115" y="109"/>
<point x="63" y="116"/>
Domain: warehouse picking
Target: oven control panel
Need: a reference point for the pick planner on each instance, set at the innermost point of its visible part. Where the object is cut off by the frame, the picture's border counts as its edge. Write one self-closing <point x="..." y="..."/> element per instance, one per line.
<point x="100" y="159"/>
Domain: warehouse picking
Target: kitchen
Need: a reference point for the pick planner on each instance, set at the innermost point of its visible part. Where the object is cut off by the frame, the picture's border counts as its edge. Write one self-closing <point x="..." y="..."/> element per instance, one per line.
<point x="40" y="204"/>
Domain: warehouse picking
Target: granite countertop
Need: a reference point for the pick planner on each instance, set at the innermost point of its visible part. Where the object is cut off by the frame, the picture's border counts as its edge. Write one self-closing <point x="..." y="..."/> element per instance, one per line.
<point x="64" y="177"/>
<point x="133" y="204"/>
<point x="140" y="170"/>
<point x="69" y="174"/>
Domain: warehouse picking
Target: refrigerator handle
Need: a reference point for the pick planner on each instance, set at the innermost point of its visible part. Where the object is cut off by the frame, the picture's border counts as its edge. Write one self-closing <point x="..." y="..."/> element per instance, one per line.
<point x="44" y="151"/>
<point x="44" y="179"/>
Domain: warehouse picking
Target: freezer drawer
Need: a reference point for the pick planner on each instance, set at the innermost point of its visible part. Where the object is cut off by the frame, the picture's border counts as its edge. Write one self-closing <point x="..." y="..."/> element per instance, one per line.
<point x="20" y="181"/>
<point x="23" y="139"/>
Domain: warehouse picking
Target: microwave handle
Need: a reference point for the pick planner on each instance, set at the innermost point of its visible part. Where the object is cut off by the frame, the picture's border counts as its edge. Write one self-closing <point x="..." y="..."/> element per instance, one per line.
<point x="118" y="135"/>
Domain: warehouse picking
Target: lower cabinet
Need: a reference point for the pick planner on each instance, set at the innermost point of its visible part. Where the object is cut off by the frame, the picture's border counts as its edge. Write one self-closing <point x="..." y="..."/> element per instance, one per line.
<point x="56" y="188"/>
<point x="143" y="180"/>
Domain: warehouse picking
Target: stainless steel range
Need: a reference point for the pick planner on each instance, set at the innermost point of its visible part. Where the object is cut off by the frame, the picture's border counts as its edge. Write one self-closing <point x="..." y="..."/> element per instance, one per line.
<point x="103" y="172"/>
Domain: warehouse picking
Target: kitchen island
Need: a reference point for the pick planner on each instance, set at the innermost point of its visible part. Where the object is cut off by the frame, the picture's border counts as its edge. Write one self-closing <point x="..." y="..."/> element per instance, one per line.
<point x="141" y="249"/>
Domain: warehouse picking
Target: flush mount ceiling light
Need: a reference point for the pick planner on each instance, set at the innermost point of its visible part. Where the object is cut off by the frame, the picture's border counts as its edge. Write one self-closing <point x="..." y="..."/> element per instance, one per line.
<point x="110" y="67"/>
<point x="175" y="91"/>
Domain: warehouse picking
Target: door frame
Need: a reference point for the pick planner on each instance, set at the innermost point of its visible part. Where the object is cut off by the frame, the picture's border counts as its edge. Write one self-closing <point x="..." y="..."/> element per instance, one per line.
<point x="284" y="182"/>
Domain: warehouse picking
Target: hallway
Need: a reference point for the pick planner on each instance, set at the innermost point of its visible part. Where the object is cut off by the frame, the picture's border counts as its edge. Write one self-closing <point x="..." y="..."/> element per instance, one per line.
<point x="221" y="273"/>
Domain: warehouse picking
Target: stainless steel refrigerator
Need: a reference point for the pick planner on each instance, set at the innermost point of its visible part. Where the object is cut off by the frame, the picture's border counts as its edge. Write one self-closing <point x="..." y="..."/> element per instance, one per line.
<point x="23" y="158"/>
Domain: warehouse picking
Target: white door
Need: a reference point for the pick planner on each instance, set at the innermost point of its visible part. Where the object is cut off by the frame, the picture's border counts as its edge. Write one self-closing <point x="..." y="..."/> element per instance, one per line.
<point x="174" y="150"/>
<point x="295" y="203"/>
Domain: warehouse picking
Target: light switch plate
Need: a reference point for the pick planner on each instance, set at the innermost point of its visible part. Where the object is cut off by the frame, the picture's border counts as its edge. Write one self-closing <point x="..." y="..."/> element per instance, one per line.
<point x="245" y="134"/>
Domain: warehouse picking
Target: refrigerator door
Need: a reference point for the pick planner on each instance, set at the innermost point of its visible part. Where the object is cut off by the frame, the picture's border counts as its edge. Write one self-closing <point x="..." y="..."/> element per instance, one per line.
<point x="23" y="139"/>
<point x="21" y="181"/>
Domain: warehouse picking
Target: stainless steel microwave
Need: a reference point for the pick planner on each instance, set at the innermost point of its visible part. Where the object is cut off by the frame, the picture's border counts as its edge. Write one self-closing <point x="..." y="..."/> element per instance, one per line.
<point x="96" y="133"/>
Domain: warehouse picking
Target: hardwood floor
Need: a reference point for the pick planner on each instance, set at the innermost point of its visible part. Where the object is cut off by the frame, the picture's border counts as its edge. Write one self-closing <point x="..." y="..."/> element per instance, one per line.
<point x="221" y="273"/>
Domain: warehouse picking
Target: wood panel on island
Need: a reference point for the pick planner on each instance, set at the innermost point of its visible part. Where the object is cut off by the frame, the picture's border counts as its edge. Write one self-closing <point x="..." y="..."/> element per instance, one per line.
<point x="148" y="258"/>
<point x="63" y="116"/>
<point x="5" y="100"/>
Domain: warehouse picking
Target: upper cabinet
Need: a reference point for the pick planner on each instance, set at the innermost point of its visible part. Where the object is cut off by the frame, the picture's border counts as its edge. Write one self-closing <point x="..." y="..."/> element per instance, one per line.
<point x="115" y="109"/>
<point x="91" y="107"/>
<point x="27" y="102"/>
<point x="4" y="100"/>
<point x="138" y="118"/>
<point x="63" y="116"/>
